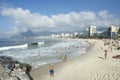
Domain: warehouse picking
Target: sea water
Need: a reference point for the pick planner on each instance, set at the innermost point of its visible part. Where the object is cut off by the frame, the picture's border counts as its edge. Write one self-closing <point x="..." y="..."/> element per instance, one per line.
<point x="47" y="51"/>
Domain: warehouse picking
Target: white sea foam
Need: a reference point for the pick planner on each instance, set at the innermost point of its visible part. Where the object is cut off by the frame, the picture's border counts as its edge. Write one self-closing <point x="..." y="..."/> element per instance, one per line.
<point x="41" y="43"/>
<point x="13" y="47"/>
<point x="48" y="54"/>
<point x="18" y="46"/>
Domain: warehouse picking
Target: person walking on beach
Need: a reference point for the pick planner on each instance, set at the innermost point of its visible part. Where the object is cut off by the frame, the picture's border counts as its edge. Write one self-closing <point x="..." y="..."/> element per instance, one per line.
<point x="105" y="51"/>
<point x="105" y="55"/>
<point x="51" y="70"/>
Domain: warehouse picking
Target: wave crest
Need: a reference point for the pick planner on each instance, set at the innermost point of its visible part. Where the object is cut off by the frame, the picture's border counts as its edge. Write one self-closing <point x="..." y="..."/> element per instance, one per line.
<point x="18" y="46"/>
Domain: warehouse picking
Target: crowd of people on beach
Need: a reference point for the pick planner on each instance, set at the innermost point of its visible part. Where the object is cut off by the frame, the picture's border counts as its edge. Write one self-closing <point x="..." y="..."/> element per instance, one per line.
<point x="108" y="46"/>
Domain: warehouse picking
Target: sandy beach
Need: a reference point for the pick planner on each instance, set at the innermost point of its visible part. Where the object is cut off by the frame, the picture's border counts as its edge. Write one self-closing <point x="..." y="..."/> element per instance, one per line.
<point x="89" y="66"/>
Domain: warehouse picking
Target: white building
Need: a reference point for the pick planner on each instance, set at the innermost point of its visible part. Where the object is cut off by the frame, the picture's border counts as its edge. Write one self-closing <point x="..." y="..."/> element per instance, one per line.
<point x="92" y="30"/>
<point x="113" y="31"/>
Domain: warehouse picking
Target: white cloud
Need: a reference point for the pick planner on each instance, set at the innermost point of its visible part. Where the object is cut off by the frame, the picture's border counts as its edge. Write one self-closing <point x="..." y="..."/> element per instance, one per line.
<point x="72" y="21"/>
<point x="24" y="19"/>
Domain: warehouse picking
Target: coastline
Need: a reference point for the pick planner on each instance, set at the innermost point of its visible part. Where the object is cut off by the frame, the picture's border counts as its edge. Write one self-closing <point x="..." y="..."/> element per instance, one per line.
<point x="43" y="70"/>
<point x="88" y="66"/>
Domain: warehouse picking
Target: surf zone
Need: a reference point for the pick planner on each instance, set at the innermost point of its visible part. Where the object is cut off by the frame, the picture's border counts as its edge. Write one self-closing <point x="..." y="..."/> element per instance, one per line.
<point x="24" y="46"/>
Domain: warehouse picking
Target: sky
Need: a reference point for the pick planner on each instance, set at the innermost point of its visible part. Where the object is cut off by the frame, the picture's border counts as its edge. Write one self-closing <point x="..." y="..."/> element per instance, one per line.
<point x="17" y="16"/>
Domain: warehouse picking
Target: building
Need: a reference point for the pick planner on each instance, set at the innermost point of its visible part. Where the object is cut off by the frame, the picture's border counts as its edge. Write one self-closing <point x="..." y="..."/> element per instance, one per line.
<point x="86" y="32"/>
<point x="92" y="30"/>
<point x="112" y="31"/>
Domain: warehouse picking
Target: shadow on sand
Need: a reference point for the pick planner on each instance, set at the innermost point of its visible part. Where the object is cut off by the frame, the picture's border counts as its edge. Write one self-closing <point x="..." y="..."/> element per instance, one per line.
<point x="101" y="57"/>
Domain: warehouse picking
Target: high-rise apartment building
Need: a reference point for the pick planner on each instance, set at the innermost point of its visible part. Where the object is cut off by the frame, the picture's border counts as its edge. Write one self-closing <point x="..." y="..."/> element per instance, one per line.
<point x="92" y="30"/>
<point x="112" y="31"/>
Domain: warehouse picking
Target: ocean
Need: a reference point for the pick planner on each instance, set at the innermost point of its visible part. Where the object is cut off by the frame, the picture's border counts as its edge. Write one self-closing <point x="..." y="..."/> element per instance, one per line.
<point x="47" y="50"/>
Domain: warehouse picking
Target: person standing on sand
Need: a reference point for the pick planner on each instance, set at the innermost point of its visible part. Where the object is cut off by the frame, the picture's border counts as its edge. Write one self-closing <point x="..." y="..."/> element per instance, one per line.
<point x="105" y="50"/>
<point x="105" y="55"/>
<point x="51" y="70"/>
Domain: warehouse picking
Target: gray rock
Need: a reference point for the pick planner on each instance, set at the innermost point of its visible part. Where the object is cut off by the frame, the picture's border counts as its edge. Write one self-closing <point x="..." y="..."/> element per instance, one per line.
<point x="20" y="73"/>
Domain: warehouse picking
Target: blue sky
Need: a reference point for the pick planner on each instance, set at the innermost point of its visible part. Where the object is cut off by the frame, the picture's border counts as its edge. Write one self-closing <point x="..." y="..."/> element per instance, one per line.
<point x="49" y="7"/>
<point x="56" y="15"/>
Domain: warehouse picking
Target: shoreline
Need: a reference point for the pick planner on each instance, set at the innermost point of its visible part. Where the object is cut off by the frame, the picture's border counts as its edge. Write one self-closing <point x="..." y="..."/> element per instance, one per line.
<point x="88" y="66"/>
<point x="38" y="56"/>
<point x="43" y="70"/>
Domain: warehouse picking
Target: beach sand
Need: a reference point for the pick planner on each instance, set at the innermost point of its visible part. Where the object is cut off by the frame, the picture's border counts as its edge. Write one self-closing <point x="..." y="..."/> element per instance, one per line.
<point x="89" y="66"/>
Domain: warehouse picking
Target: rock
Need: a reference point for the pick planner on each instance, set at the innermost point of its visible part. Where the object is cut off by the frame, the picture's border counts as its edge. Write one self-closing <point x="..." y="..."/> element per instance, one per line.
<point x="6" y="59"/>
<point x="16" y="74"/>
<point x="20" y="73"/>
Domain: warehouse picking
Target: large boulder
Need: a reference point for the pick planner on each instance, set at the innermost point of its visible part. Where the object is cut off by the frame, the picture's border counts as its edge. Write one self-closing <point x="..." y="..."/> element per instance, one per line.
<point x="13" y="73"/>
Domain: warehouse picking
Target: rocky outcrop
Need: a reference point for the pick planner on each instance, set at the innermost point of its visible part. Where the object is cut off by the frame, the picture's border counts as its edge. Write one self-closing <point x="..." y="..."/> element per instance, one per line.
<point x="20" y="73"/>
<point x="6" y="59"/>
